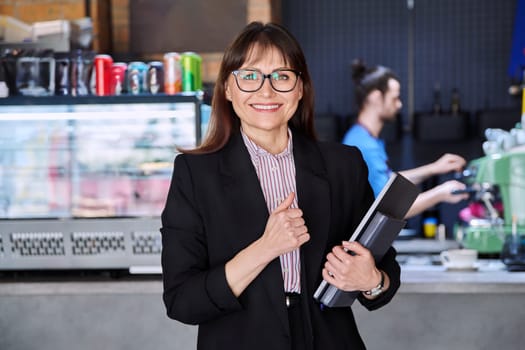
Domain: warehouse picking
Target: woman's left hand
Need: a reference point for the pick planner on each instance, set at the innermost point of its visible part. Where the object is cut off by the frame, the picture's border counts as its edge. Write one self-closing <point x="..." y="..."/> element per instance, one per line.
<point x="351" y="271"/>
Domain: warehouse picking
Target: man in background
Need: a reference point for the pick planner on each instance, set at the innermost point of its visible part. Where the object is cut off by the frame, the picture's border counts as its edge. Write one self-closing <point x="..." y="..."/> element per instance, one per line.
<point x="377" y="94"/>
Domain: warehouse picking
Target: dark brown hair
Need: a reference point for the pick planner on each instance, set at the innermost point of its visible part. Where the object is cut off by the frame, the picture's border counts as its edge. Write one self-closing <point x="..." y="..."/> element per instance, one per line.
<point x="223" y="120"/>
<point x="367" y="79"/>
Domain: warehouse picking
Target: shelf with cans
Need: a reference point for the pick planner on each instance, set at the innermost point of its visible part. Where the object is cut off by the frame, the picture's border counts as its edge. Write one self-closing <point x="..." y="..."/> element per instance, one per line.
<point x="88" y="156"/>
<point x="37" y="73"/>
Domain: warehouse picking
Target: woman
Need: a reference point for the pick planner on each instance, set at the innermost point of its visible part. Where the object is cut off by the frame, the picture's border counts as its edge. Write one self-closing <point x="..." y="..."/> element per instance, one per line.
<point x="256" y="215"/>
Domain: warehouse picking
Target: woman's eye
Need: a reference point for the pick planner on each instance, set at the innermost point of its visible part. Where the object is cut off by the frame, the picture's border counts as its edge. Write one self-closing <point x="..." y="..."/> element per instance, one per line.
<point x="280" y="76"/>
<point x="249" y="76"/>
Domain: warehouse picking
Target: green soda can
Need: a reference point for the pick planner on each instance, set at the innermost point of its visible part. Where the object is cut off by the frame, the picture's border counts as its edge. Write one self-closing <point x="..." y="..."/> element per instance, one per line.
<point x="191" y="71"/>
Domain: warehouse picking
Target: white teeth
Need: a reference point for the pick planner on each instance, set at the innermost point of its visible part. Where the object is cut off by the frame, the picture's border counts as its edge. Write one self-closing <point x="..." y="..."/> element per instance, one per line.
<point x="265" y="106"/>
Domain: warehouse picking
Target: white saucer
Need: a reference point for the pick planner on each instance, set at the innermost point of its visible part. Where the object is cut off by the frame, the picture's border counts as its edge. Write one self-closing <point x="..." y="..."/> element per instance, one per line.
<point x="452" y="267"/>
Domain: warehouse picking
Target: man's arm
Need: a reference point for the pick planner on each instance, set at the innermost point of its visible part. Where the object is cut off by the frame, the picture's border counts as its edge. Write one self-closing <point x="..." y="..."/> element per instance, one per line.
<point x="447" y="163"/>
<point x="438" y="194"/>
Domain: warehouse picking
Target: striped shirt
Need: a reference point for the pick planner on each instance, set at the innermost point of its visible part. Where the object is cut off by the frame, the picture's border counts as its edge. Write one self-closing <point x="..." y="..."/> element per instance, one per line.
<point x="277" y="178"/>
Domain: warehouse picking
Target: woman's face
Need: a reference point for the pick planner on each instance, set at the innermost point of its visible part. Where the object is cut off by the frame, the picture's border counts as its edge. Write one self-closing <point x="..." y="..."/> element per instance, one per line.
<point x="265" y="110"/>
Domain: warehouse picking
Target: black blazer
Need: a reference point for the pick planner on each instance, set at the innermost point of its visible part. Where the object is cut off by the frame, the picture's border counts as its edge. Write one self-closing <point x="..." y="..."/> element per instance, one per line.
<point x="215" y="208"/>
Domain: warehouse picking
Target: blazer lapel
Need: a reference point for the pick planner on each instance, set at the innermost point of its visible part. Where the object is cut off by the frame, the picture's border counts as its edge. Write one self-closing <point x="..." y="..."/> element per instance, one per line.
<point x="245" y="195"/>
<point x="314" y="200"/>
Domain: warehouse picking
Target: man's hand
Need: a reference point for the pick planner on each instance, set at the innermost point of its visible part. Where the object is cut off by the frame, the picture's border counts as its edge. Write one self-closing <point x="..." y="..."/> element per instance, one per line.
<point x="447" y="163"/>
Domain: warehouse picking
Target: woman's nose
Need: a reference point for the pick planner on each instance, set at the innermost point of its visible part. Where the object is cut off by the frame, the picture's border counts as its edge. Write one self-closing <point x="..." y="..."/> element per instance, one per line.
<point x="266" y="88"/>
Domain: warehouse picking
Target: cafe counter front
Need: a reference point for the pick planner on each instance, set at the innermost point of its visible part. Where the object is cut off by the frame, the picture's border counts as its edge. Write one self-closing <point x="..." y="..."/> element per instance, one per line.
<point x="434" y="309"/>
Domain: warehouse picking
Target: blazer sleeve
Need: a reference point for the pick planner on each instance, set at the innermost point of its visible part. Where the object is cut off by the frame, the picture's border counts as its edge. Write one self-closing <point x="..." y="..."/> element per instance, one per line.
<point x="194" y="291"/>
<point x="391" y="267"/>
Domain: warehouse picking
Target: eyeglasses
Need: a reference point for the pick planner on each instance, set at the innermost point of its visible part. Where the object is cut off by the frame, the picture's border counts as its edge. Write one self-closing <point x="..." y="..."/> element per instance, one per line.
<point x="251" y="80"/>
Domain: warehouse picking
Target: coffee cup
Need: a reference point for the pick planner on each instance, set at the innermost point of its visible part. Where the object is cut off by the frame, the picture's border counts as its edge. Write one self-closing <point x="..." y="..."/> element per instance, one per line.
<point x="459" y="258"/>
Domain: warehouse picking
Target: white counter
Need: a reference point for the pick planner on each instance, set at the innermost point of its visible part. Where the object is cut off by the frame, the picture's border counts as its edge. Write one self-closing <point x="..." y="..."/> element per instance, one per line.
<point x="434" y="309"/>
<point x="490" y="277"/>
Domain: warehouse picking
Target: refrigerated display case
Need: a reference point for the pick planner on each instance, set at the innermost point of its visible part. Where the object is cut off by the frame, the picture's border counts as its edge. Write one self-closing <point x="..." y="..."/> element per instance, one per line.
<point x="83" y="180"/>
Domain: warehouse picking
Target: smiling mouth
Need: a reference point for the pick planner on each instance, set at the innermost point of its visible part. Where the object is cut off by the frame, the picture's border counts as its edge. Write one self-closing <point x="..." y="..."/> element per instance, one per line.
<point x="265" y="107"/>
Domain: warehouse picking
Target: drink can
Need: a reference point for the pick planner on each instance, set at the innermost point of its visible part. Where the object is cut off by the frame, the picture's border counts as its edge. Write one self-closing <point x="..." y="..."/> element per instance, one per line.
<point x="172" y="73"/>
<point x="62" y="66"/>
<point x="81" y="73"/>
<point x="191" y="71"/>
<point x="118" y="77"/>
<point x="137" y="78"/>
<point x="155" y="79"/>
<point x="103" y="65"/>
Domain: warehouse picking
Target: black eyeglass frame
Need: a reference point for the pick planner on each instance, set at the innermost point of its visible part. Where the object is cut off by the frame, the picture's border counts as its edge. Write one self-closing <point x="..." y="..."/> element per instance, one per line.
<point x="267" y="76"/>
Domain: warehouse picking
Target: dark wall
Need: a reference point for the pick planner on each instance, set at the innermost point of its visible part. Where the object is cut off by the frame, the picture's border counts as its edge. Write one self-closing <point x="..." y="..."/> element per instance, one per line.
<point x="158" y="26"/>
<point x="464" y="44"/>
<point x="456" y="43"/>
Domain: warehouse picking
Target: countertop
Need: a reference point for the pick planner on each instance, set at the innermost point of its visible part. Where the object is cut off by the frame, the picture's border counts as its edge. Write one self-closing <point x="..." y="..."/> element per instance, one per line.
<point x="489" y="276"/>
<point x="419" y="274"/>
<point x="96" y="310"/>
<point x="424" y="246"/>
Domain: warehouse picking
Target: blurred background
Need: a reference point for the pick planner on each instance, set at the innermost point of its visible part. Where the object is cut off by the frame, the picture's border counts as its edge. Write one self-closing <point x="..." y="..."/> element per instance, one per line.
<point x="96" y="96"/>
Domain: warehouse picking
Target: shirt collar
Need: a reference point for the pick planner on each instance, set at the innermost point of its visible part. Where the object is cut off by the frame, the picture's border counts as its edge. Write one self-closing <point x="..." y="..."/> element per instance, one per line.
<point x="256" y="151"/>
<point x="368" y="131"/>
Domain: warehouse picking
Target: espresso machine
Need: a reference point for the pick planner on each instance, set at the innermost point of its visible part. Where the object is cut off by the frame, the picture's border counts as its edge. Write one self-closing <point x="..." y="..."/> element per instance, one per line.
<point x="497" y="186"/>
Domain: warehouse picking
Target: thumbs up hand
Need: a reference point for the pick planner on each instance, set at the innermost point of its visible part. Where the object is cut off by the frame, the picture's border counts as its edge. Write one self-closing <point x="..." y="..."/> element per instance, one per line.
<point x="285" y="229"/>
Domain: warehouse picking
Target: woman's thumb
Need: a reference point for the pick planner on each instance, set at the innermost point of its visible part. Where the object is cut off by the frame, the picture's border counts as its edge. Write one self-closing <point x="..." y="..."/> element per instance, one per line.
<point x="286" y="203"/>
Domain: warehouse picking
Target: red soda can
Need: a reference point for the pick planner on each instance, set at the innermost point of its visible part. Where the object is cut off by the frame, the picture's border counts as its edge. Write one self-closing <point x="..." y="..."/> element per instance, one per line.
<point x="103" y="65"/>
<point x="172" y="73"/>
<point x="118" y="76"/>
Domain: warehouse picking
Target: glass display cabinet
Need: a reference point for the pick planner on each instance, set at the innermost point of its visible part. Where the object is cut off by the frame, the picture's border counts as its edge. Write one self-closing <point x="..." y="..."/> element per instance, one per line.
<point x="83" y="180"/>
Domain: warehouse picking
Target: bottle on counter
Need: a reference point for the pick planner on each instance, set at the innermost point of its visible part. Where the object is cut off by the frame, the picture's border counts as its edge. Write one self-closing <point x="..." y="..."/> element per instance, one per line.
<point x="4" y="89"/>
<point x="523" y="102"/>
<point x="81" y="72"/>
<point x="436" y="107"/>
<point x="455" y="105"/>
<point x="430" y="225"/>
<point x="430" y="220"/>
<point x="441" y="234"/>
<point x="62" y="67"/>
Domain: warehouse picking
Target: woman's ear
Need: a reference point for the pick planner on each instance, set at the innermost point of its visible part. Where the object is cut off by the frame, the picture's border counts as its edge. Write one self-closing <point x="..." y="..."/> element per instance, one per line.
<point x="227" y="92"/>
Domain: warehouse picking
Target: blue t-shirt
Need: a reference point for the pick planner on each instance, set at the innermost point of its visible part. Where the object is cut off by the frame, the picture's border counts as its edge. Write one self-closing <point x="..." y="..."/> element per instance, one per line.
<point x="374" y="153"/>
